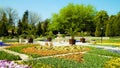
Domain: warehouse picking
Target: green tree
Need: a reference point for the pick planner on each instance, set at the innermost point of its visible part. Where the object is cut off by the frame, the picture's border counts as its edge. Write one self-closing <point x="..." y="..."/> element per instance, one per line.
<point x="44" y="26"/>
<point x="109" y="27"/>
<point x="12" y="18"/>
<point x="25" y="25"/>
<point x="33" y="19"/>
<point x="20" y="29"/>
<point x="116" y="25"/>
<point x="3" y="26"/>
<point x="79" y="15"/>
<point x="101" y="21"/>
<point x="39" y="29"/>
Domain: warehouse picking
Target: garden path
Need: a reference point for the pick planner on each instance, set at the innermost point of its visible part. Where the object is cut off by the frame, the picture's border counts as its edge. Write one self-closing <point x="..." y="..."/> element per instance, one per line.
<point x="110" y="48"/>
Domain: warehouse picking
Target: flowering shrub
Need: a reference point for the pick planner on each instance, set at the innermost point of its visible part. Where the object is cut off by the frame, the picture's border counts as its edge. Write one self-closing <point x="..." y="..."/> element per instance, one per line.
<point x="113" y="63"/>
<point x="11" y="64"/>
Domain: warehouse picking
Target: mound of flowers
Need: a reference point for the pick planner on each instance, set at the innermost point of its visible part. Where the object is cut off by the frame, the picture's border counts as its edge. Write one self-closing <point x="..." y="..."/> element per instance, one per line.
<point x="11" y="64"/>
<point x="113" y="63"/>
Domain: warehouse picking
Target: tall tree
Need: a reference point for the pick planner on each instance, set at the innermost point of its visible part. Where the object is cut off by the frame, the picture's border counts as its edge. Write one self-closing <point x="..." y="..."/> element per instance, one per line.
<point x="39" y="29"/>
<point x="33" y="18"/>
<point x="101" y="21"/>
<point x="116" y="25"/>
<point x="79" y="15"/>
<point x="3" y="25"/>
<point x="12" y="16"/>
<point x="20" y="29"/>
<point x="110" y="29"/>
<point x="25" y="23"/>
<point x="45" y="25"/>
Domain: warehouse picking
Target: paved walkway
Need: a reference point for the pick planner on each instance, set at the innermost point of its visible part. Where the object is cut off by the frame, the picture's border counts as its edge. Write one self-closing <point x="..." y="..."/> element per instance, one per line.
<point x="114" y="49"/>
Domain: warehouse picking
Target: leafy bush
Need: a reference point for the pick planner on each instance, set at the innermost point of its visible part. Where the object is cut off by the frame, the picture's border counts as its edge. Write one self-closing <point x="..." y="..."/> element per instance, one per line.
<point x="113" y="63"/>
<point x="7" y="56"/>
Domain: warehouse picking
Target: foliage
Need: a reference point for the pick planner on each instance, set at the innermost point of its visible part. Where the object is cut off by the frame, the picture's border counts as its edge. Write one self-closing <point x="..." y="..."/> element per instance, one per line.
<point x="109" y="27"/>
<point x="69" y="20"/>
<point x="39" y="29"/>
<point x="7" y="56"/>
<point x="3" y="25"/>
<point x="101" y="21"/>
<point x="113" y="63"/>
<point x="73" y="17"/>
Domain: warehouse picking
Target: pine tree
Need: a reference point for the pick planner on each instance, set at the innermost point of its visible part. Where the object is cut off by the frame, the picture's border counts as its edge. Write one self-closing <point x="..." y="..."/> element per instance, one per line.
<point x="20" y="29"/>
<point x="39" y="29"/>
<point x="25" y="25"/>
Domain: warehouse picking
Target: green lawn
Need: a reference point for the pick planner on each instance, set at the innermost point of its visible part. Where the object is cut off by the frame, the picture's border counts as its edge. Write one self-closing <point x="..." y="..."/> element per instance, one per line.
<point x="7" y="56"/>
<point x="90" y="61"/>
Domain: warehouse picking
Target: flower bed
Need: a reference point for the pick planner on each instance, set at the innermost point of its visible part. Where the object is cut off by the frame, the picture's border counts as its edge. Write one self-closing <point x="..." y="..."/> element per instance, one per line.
<point x="11" y="64"/>
<point x="18" y="48"/>
<point x="46" y="50"/>
<point x="74" y="57"/>
<point x="89" y="61"/>
<point x="7" y="56"/>
<point x="113" y="63"/>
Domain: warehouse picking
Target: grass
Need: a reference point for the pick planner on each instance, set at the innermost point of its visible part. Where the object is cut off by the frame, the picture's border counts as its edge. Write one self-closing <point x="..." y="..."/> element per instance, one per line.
<point x="18" y="48"/>
<point x="7" y="56"/>
<point x="111" y="40"/>
<point x="10" y="40"/>
<point x="103" y="52"/>
<point x="90" y="61"/>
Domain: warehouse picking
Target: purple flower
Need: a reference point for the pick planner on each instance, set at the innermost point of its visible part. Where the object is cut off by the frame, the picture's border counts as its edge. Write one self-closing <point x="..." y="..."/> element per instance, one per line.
<point x="11" y="64"/>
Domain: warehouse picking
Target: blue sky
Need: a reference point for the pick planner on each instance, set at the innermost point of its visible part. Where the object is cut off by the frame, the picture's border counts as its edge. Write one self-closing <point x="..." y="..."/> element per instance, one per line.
<point x="45" y="8"/>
